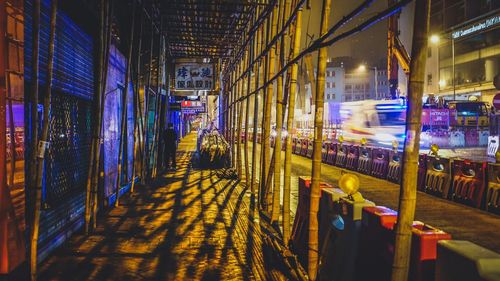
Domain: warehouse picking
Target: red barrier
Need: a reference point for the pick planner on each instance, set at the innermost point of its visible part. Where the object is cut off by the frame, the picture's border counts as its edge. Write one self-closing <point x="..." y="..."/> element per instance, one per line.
<point x="493" y="192"/>
<point x="438" y="176"/>
<point x="341" y="158"/>
<point x="332" y="154"/>
<point x="422" y="170"/>
<point x="365" y="160"/>
<point x="380" y="162"/>
<point x="376" y="243"/>
<point x="352" y="157"/>
<point x="299" y="236"/>
<point x="424" y="251"/>
<point x="394" y="167"/>
<point x="469" y="182"/>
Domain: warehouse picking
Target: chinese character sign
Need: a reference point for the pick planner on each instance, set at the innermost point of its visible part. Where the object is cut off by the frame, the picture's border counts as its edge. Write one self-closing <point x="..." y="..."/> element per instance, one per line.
<point x="194" y="76"/>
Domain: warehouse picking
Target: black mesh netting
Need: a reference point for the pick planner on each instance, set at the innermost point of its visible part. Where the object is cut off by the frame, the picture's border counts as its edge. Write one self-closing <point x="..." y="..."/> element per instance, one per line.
<point x="67" y="158"/>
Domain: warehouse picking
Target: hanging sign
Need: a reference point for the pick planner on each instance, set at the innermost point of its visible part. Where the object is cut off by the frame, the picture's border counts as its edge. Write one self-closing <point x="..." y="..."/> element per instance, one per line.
<point x="194" y="76"/>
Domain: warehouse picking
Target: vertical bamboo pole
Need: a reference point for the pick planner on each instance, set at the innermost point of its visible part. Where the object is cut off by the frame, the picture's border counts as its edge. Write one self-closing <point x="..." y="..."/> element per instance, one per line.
<point x="137" y="115"/>
<point x="247" y="112"/>
<point x="266" y="151"/>
<point x="123" y="131"/>
<point x="257" y="46"/>
<point x="240" y="118"/>
<point x="289" y="126"/>
<point x="231" y="117"/>
<point x="280" y="52"/>
<point x="316" y="158"/>
<point x="102" y="91"/>
<point x="145" y="162"/>
<point x="43" y="140"/>
<point x="408" y="193"/>
<point x="265" y="35"/>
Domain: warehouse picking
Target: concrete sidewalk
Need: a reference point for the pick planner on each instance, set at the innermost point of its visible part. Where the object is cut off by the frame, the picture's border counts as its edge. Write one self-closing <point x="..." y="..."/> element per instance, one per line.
<point x="188" y="225"/>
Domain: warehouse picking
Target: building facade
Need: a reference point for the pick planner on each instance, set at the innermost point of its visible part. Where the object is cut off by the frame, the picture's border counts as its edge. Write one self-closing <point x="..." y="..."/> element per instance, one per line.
<point x="464" y="50"/>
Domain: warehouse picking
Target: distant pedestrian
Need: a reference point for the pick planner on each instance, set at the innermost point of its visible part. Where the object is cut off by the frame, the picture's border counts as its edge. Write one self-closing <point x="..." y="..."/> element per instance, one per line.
<point x="170" y="147"/>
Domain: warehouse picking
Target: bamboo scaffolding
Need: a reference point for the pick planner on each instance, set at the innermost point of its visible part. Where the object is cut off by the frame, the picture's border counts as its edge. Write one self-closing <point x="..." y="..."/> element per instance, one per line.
<point x="145" y="152"/>
<point x="320" y="42"/>
<point x="408" y="193"/>
<point x="40" y="152"/>
<point x="123" y="130"/>
<point x="257" y="46"/>
<point x="316" y="157"/>
<point x="239" y="125"/>
<point x="247" y="119"/>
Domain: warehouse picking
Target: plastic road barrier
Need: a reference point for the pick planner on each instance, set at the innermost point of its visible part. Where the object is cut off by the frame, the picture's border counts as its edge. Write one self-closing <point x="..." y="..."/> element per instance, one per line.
<point x="493" y="192"/>
<point x="438" y="177"/>
<point x="299" y="236"/>
<point x="422" y="169"/>
<point x="457" y="139"/>
<point x="352" y="157"/>
<point x="297" y="145"/>
<point x="463" y="260"/>
<point x="324" y="151"/>
<point x="365" y="160"/>
<point x="309" y="152"/>
<point x="303" y="150"/>
<point x="341" y="155"/>
<point x="469" y="182"/>
<point x="483" y="137"/>
<point x="471" y="137"/>
<point x="380" y="162"/>
<point x="493" y="142"/>
<point x="394" y="167"/>
<point x="332" y="154"/>
<point x="424" y="251"/>
<point x="376" y="242"/>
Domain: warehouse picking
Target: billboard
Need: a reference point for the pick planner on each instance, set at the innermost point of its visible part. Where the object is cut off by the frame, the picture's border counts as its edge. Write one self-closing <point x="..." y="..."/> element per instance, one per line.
<point x="194" y="76"/>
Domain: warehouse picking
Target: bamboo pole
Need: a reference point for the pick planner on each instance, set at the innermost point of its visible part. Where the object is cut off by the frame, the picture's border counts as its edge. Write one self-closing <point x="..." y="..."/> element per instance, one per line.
<point x="123" y="131"/>
<point x="266" y="130"/>
<point x="42" y="143"/>
<point x="408" y="193"/>
<point x="289" y="126"/>
<point x="137" y="130"/>
<point x="145" y="162"/>
<point x="284" y="6"/>
<point x="240" y="120"/>
<point x="247" y="117"/>
<point x="316" y="158"/>
<point x="255" y="116"/>
<point x="104" y="79"/>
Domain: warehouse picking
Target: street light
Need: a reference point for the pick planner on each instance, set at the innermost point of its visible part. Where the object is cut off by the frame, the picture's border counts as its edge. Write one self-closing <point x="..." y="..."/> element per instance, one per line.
<point x="435" y="40"/>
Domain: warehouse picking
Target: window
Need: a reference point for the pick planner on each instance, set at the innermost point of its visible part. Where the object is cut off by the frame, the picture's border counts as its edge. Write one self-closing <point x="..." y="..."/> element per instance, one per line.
<point x="328" y="84"/>
<point x="333" y="84"/>
<point x="333" y="96"/>
<point x="429" y="79"/>
<point x="333" y="73"/>
<point x="348" y="87"/>
<point x="328" y="96"/>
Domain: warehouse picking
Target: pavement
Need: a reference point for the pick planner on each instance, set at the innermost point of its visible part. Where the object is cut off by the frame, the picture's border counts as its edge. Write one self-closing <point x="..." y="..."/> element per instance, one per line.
<point x="191" y="224"/>
<point x="462" y="222"/>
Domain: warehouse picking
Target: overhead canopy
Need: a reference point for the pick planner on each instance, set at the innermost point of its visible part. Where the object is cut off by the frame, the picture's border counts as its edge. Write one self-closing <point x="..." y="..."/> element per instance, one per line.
<point x="206" y="28"/>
